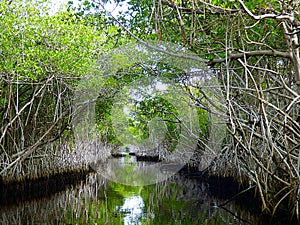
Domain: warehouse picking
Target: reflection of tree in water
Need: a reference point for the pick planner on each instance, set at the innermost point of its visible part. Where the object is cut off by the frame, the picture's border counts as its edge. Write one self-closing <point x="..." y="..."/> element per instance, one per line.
<point x="98" y="201"/>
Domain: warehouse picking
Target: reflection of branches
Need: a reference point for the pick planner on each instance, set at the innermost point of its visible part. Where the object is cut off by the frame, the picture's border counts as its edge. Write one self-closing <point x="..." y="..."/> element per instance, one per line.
<point x="235" y="196"/>
<point x="235" y="215"/>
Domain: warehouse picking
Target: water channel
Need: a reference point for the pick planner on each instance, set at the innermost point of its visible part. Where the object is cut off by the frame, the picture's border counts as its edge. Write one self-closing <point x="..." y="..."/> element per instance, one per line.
<point x="181" y="199"/>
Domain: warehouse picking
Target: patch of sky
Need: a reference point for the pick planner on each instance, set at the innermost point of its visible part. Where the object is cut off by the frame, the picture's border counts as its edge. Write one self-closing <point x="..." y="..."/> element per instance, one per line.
<point x="110" y="6"/>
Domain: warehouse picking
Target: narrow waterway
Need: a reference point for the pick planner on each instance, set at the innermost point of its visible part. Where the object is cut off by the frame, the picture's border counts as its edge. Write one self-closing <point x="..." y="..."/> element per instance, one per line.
<point x="180" y="199"/>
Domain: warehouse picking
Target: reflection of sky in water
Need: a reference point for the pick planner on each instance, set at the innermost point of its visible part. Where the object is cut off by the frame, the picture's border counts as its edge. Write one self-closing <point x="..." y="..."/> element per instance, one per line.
<point x="133" y="209"/>
<point x="128" y="160"/>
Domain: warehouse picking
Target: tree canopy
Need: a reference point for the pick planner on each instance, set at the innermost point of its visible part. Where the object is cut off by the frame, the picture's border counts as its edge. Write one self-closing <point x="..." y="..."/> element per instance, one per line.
<point x="43" y="56"/>
<point x="253" y="47"/>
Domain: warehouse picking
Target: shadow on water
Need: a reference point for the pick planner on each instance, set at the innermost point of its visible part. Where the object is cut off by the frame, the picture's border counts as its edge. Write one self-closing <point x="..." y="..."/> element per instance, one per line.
<point x="181" y="199"/>
<point x="15" y="193"/>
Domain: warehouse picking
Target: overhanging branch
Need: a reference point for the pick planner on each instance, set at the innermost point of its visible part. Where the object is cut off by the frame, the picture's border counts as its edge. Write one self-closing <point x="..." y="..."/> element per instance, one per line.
<point x="212" y="62"/>
<point x="274" y="53"/>
<point x="267" y="15"/>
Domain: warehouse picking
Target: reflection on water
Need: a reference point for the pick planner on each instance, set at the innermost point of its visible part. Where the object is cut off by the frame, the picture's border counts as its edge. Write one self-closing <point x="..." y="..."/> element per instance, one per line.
<point x="127" y="170"/>
<point x="133" y="209"/>
<point x="96" y="200"/>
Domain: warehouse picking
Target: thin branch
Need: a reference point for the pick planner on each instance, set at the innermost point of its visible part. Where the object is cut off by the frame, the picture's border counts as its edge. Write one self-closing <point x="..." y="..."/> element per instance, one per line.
<point x="274" y="53"/>
<point x="267" y="15"/>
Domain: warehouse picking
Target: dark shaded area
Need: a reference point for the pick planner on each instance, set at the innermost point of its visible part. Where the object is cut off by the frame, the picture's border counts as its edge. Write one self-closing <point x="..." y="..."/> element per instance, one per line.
<point x="132" y="153"/>
<point x="17" y="192"/>
<point x="229" y="189"/>
<point x="118" y="155"/>
<point x="139" y="157"/>
<point x="147" y="158"/>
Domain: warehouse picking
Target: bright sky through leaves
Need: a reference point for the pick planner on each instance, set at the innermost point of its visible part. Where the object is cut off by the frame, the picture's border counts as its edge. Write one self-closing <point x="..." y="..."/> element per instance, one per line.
<point x="56" y="5"/>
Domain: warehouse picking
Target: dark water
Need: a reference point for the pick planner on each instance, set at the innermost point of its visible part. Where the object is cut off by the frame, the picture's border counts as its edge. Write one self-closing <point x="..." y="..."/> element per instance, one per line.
<point x="95" y="200"/>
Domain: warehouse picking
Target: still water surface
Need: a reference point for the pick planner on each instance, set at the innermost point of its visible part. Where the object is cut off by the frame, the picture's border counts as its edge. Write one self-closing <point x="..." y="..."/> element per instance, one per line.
<point x="180" y="199"/>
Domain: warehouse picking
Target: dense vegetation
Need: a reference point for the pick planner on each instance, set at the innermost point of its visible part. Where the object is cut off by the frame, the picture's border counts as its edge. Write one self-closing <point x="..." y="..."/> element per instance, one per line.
<point x="254" y="49"/>
<point x="251" y="48"/>
<point x="42" y="57"/>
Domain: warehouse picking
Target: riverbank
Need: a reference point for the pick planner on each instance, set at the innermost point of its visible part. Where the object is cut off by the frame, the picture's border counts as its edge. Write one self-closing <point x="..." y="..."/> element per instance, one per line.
<point x="53" y="160"/>
<point x="43" y="187"/>
<point x="228" y="187"/>
<point x="195" y="191"/>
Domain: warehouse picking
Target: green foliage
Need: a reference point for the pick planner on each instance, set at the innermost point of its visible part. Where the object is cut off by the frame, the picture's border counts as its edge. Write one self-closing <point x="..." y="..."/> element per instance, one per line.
<point x="204" y="32"/>
<point x="130" y="63"/>
<point x="150" y="108"/>
<point x="203" y="116"/>
<point x="42" y="57"/>
<point x="35" y="45"/>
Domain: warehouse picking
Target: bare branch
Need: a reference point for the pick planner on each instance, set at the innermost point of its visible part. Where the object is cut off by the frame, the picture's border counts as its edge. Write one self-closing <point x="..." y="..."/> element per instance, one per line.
<point x="267" y="15"/>
<point x="274" y="53"/>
